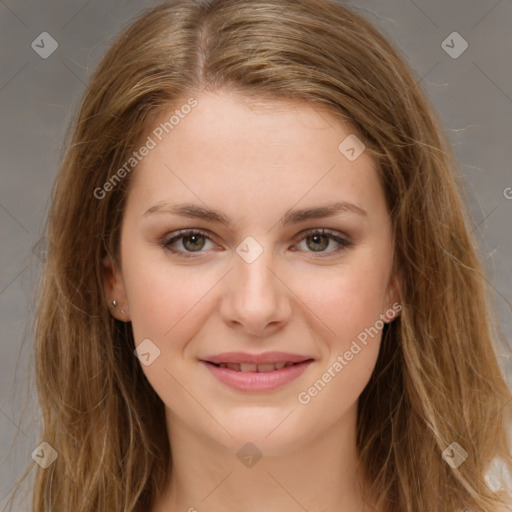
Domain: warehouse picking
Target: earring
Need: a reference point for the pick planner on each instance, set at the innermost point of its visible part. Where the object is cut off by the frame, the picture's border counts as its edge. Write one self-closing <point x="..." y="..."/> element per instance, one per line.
<point x="114" y="305"/>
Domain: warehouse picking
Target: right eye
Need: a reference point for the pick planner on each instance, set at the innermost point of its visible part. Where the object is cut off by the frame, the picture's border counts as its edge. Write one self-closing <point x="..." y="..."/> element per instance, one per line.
<point x="192" y="241"/>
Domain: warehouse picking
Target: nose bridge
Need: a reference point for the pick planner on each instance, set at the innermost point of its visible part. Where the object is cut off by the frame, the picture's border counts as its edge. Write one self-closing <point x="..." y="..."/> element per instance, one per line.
<point x="254" y="280"/>
<point x="256" y="297"/>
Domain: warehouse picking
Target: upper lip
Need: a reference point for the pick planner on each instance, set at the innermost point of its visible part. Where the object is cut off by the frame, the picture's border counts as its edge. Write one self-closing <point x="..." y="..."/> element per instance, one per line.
<point x="264" y="358"/>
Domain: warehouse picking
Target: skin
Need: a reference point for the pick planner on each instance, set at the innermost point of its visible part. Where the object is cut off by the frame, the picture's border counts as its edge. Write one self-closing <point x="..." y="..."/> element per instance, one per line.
<point x="253" y="161"/>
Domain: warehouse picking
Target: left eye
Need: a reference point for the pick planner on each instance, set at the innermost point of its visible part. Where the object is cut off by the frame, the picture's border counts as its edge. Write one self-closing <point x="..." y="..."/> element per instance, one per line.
<point x="319" y="239"/>
<point x="193" y="241"/>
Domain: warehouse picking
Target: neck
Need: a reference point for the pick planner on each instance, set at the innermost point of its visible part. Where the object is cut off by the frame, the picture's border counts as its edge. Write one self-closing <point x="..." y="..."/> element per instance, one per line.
<point x="317" y="475"/>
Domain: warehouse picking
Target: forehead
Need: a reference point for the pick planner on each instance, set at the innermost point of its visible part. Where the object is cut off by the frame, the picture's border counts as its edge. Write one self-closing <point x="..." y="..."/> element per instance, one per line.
<point x="243" y="151"/>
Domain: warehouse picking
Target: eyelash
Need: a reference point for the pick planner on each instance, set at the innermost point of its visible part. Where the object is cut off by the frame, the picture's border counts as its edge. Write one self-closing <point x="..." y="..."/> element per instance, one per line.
<point x="166" y="242"/>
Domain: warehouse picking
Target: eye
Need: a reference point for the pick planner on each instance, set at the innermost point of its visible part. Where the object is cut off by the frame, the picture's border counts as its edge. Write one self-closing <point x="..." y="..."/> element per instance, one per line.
<point x="318" y="240"/>
<point x="191" y="240"/>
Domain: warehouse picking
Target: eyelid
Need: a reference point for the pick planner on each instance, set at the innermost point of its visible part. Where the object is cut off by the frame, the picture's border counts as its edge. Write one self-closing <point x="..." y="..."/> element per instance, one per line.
<point x="320" y="231"/>
<point x="340" y="238"/>
<point x="176" y="235"/>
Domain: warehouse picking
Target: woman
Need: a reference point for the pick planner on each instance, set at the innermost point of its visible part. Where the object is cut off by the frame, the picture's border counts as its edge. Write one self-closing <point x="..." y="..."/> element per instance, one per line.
<point x="261" y="291"/>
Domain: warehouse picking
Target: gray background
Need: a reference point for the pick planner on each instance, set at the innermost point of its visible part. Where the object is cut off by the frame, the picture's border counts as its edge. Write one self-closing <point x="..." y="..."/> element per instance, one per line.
<point x="471" y="93"/>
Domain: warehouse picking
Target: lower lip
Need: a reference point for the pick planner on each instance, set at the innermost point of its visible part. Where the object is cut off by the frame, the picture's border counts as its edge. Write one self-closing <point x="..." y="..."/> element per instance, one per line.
<point x="256" y="381"/>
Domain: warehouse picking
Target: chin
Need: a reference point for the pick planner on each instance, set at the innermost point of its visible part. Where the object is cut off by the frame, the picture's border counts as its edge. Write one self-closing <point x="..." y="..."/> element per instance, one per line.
<point x="271" y="434"/>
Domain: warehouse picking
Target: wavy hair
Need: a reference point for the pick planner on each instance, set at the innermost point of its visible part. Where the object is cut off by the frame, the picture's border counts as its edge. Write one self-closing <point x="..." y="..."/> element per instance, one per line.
<point x="437" y="378"/>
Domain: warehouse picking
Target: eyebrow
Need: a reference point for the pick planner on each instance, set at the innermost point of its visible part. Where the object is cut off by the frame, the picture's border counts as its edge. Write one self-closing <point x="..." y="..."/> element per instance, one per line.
<point x="291" y="216"/>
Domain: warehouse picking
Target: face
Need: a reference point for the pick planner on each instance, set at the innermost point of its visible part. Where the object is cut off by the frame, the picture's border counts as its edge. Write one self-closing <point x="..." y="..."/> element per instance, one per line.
<point x="267" y="293"/>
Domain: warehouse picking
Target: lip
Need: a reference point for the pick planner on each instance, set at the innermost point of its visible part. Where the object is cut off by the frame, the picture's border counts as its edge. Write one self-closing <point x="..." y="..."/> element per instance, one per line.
<point x="264" y="358"/>
<point x="257" y="381"/>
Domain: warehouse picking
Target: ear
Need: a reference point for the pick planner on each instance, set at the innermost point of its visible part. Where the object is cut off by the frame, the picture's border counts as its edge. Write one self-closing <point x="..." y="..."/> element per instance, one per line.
<point x="392" y="298"/>
<point x="114" y="287"/>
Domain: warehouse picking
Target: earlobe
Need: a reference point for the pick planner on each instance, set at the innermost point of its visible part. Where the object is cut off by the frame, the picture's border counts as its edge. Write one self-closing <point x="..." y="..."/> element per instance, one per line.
<point x="114" y="288"/>
<point x="113" y="304"/>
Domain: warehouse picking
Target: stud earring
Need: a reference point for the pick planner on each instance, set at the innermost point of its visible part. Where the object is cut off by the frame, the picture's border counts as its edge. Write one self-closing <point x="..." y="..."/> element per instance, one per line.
<point x="114" y="305"/>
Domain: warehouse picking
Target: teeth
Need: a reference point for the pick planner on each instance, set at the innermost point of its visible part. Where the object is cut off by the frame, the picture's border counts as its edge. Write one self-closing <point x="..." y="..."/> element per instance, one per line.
<point x="251" y="367"/>
<point x="266" y="368"/>
<point x="247" y="367"/>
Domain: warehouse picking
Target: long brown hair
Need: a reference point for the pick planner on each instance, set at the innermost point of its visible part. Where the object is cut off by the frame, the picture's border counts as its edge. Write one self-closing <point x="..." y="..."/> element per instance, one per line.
<point x="437" y="379"/>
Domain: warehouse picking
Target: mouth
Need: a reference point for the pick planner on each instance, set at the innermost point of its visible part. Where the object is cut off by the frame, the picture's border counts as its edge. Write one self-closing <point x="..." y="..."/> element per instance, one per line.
<point x="256" y="368"/>
<point x="256" y="372"/>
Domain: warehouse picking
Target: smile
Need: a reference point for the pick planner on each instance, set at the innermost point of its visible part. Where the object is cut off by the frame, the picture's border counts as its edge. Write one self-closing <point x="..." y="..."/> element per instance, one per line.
<point x="256" y="373"/>
<point x="251" y="367"/>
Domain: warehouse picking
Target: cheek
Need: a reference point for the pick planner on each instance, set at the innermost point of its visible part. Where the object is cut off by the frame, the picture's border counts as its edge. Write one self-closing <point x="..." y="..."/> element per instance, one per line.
<point x="347" y="299"/>
<point x="166" y="303"/>
<point x="168" y="306"/>
<point x="164" y="297"/>
<point x="350" y="305"/>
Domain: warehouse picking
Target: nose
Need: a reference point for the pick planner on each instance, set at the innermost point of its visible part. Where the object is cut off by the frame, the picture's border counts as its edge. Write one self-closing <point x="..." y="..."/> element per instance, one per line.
<point x="256" y="299"/>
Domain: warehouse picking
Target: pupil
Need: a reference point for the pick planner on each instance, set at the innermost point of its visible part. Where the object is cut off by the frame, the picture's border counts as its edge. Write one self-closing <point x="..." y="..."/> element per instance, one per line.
<point x="194" y="238"/>
<point x="315" y="239"/>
